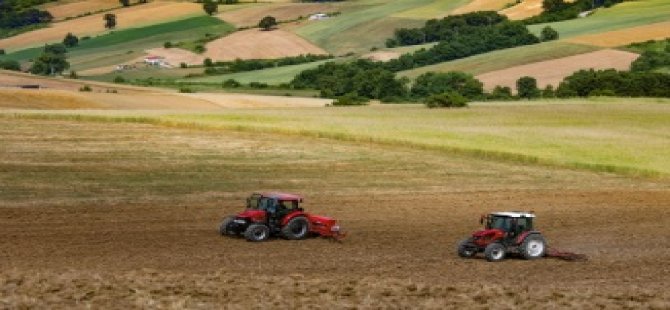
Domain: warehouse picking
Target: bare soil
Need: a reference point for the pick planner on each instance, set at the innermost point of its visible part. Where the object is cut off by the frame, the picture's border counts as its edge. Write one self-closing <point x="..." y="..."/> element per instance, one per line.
<point x="552" y="72"/>
<point x="258" y="44"/>
<point x="124" y="215"/>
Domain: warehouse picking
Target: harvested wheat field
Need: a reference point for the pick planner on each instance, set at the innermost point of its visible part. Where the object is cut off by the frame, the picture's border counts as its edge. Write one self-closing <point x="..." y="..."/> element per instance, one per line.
<point x="481" y="5"/>
<point x="382" y="55"/>
<point x="525" y="9"/>
<point x="151" y="13"/>
<point x="125" y="215"/>
<point x="258" y="44"/>
<point x="250" y="16"/>
<point x="44" y="99"/>
<point x="552" y="72"/>
<point x="258" y="101"/>
<point x="73" y="9"/>
<point x="658" y="31"/>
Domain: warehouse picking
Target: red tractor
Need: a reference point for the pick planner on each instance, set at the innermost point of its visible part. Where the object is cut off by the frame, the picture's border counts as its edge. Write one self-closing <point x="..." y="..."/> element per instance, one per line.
<point x="505" y="233"/>
<point x="278" y="214"/>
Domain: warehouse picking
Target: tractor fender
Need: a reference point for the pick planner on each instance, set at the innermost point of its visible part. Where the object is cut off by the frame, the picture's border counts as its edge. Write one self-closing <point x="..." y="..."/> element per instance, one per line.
<point x="524" y="235"/>
<point x="256" y="216"/>
<point x="291" y="216"/>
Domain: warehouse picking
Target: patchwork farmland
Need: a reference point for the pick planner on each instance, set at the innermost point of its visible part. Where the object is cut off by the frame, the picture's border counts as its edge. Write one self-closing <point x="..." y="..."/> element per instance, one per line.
<point x="116" y="172"/>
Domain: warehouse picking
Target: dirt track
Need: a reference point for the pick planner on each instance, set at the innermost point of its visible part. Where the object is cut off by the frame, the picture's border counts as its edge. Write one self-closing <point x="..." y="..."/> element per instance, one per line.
<point x="126" y="215"/>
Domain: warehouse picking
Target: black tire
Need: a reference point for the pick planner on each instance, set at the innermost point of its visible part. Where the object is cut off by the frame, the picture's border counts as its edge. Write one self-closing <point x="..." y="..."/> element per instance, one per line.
<point x="494" y="252"/>
<point x="297" y="228"/>
<point x="533" y="247"/>
<point x="223" y="229"/>
<point x="466" y="249"/>
<point x="257" y="232"/>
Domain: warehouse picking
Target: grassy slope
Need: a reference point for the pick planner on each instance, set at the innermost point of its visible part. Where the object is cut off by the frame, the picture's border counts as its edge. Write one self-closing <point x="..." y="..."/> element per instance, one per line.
<point x="618" y="135"/>
<point x="367" y="26"/>
<point x="271" y="76"/>
<point x="620" y="16"/>
<point x="504" y="58"/>
<point x="125" y="45"/>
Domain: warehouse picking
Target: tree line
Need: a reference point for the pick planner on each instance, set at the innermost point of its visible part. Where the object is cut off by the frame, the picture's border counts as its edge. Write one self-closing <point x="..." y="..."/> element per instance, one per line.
<point x="240" y="65"/>
<point x="21" y="13"/>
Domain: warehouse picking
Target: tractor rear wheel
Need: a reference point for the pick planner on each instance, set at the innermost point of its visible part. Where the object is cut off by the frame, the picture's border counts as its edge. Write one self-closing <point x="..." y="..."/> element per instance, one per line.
<point x="465" y="249"/>
<point x="297" y="228"/>
<point x="223" y="229"/>
<point x="257" y="232"/>
<point x="494" y="252"/>
<point x="534" y="246"/>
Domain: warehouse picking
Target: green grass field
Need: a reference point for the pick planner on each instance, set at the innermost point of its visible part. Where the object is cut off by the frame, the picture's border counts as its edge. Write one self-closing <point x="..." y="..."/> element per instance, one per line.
<point x="628" y="136"/>
<point x="272" y="76"/>
<point x="623" y="15"/>
<point x="124" y="45"/>
<point x="366" y="24"/>
<point x="506" y="58"/>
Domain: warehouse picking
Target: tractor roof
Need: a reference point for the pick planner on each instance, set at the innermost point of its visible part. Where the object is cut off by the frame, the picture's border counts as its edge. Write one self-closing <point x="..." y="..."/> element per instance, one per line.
<point x="282" y="196"/>
<point x="513" y="214"/>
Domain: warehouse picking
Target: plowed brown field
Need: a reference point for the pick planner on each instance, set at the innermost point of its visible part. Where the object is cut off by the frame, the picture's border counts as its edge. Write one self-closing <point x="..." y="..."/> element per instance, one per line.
<point x="552" y="72"/>
<point x="126" y="215"/>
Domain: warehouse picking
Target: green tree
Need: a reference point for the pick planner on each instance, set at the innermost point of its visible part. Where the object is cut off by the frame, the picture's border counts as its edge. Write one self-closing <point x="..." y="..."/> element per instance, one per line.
<point x="70" y="40"/>
<point x="110" y="20"/>
<point x="501" y="93"/>
<point x="526" y="87"/>
<point x="553" y="5"/>
<point x="125" y="2"/>
<point x="432" y="83"/>
<point x="208" y="62"/>
<point x="210" y="7"/>
<point x="548" y="34"/>
<point x="267" y="23"/>
<point x="10" y="65"/>
<point x="548" y="92"/>
<point x="52" y="60"/>
<point x="449" y="99"/>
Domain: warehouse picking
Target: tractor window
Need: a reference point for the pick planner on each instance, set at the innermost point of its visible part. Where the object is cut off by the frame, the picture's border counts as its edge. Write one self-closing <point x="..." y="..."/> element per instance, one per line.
<point x="522" y="225"/>
<point x="253" y="201"/>
<point x="288" y="205"/>
<point x="498" y="222"/>
<point x="265" y="203"/>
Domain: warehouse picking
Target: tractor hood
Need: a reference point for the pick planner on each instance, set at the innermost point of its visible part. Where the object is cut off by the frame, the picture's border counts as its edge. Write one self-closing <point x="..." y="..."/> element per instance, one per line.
<point x="253" y="215"/>
<point x="487" y="233"/>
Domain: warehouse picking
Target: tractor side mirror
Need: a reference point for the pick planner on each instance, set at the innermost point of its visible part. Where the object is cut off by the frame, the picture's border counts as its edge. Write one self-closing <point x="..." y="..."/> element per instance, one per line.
<point x="248" y="203"/>
<point x="481" y="220"/>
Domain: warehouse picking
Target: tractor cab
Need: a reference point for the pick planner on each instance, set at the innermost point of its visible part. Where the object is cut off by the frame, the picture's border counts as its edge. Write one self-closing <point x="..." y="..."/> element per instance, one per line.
<point x="510" y="223"/>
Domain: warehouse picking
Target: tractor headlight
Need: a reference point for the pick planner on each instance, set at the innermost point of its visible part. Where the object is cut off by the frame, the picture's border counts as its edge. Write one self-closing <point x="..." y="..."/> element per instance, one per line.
<point x="239" y="221"/>
<point x="335" y="228"/>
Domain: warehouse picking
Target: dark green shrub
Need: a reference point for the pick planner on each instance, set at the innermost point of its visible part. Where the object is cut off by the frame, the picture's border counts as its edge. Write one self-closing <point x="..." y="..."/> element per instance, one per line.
<point x="119" y="79"/>
<point x="446" y="100"/>
<point x="350" y="100"/>
<point x="230" y="83"/>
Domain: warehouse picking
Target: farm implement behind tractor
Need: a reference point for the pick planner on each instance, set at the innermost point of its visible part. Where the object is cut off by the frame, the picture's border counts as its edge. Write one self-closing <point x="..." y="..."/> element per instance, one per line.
<point x="278" y="214"/>
<point x="507" y="233"/>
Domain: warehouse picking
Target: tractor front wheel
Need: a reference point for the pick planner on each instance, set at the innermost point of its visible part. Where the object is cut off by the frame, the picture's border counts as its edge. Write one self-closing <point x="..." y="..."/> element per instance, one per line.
<point x="257" y="232"/>
<point x="534" y="246"/>
<point x="223" y="229"/>
<point x="465" y="249"/>
<point x="297" y="228"/>
<point x="494" y="252"/>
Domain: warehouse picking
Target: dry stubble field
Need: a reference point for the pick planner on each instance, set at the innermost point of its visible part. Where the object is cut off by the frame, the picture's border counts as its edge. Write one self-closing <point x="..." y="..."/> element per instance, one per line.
<point x="125" y="215"/>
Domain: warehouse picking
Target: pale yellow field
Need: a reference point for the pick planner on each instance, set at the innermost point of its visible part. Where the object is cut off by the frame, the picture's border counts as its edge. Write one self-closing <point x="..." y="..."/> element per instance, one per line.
<point x="76" y="8"/>
<point x="482" y="5"/>
<point x="44" y="99"/>
<point x="552" y="72"/>
<point x="525" y="9"/>
<point x="153" y="12"/>
<point x="257" y="44"/>
<point x="658" y="31"/>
